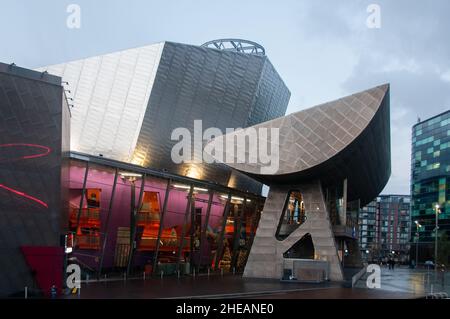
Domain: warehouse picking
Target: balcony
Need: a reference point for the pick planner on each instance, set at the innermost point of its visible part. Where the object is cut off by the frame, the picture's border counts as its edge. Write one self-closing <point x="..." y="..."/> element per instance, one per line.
<point x="88" y="241"/>
<point x="89" y="217"/>
<point x="349" y="230"/>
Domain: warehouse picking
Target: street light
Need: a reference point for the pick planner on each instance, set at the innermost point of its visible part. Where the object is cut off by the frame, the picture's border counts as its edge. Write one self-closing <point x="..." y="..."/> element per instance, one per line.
<point x="438" y="211"/>
<point x="417" y="241"/>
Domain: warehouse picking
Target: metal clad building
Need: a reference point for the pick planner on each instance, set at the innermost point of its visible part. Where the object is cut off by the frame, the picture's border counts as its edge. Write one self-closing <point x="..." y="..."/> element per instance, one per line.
<point x="128" y="103"/>
<point x="34" y="136"/>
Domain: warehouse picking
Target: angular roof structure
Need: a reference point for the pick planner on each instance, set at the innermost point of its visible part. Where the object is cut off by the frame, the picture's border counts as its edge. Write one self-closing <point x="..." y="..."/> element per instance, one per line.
<point x="128" y="103"/>
<point x="346" y="138"/>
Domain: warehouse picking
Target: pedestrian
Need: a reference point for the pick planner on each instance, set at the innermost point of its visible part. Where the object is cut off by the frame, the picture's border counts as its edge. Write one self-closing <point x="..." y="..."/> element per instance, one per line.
<point x="53" y="292"/>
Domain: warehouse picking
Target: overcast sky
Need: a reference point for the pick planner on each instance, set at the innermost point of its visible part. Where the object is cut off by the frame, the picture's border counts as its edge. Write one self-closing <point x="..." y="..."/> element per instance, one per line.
<point x="322" y="49"/>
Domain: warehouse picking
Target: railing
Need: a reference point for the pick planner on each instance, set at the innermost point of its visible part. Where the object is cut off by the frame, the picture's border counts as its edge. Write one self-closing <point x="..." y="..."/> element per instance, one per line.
<point x="145" y="218"/>
<point x="89" y="217"/>
<point x="167" y="243"/>
<point x="88" y="241"/>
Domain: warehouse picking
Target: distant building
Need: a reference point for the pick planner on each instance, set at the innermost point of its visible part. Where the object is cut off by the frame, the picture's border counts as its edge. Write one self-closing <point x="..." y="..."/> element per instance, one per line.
<point x="368" y="228"/>
<point x="384" y="228"/>
<point x="430" y="182"/>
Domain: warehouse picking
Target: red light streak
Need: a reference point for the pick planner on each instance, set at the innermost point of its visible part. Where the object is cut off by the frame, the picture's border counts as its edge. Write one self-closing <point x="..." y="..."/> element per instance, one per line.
<point x="24" y="195"/>
<point x="45" y="151"/>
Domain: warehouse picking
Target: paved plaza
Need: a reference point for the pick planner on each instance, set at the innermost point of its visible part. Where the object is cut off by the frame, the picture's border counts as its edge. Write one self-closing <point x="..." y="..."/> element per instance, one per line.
<point x="401" y="283"/>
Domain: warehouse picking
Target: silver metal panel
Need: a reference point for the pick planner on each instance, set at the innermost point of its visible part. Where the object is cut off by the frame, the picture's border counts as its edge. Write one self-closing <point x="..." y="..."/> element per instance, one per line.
<point x="110" y="94"/>
<point x="224" y="89"/>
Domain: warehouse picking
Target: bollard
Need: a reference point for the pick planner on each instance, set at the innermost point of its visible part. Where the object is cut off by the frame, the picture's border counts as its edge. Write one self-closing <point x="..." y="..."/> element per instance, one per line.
<point x="26" y="292"/>
<point x="144" y="275"/>
<point x="124" y="276"/>
<point x="162" y="274"/>
<point x="193" y="272"/>
<point x="87" y="278"/>
<point x="208" y="272"/>
<point x="105" y="276"/>
<point x="178" y="274"/>
<point x="234" y="271"/>
<point x="221" y="272"/>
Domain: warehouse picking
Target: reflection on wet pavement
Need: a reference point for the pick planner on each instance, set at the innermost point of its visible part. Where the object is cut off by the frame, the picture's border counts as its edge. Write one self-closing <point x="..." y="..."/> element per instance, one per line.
<point x="416" y="281"/>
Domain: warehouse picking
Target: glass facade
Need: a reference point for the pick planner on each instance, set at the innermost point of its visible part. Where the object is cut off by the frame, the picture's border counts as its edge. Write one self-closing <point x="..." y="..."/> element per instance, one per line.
<point x="430" y="183"/>
<point x="131" y="221"/>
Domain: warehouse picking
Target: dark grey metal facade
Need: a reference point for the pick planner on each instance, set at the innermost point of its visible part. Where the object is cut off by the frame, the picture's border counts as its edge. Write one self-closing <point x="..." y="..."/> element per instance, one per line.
<point x="34" y="134"/>
<point x="224" y="89"/>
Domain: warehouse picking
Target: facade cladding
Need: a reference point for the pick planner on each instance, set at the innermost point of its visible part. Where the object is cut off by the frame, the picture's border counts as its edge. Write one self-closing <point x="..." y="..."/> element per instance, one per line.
<point x="335" y="158"/>
<point x="96" y="177"/>
<point x="116" y="217"/>
<point x="128" y="103"/>
<point x="430" y="183"/>
<point x="34" y="139"/>
<point x="384" y="229"/>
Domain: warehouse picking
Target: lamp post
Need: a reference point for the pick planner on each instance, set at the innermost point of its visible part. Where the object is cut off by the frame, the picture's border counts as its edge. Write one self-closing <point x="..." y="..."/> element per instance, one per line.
<point x="417" y="241"/>
<point x="438" y="210"/>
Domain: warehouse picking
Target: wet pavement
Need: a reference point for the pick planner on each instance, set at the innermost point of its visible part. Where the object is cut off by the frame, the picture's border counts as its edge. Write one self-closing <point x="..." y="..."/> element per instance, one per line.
<point x="402" y="283"/>
<point x="414" y="281"/>
<point x="227" y="286"/>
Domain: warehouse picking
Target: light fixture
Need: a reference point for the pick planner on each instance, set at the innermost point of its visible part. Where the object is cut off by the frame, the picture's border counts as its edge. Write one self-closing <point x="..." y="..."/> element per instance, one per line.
<point x="235" y="198"/>
<point x="128" y="174"/>
<point x="199" y="189"/>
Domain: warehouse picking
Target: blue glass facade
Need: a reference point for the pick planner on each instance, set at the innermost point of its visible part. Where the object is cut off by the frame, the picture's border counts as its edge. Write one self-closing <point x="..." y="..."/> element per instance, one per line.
<point x="430" y="182"/>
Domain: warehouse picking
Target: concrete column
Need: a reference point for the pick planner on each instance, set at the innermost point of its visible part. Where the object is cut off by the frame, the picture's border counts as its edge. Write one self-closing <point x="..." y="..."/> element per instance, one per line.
<point x="343" y="211"/>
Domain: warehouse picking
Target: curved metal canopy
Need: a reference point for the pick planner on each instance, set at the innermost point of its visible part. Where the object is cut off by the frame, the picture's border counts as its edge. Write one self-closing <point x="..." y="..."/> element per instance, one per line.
<point x="344" y="139"/>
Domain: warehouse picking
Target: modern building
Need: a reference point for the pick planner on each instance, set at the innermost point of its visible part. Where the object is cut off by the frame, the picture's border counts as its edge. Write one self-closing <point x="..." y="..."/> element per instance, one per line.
<point x="368" y="229"/>
<point x="34" y="146"/>
<point x="87" y="178"/>
<point x="127" y="103"/>
<point x="385" y="229"/>
<point x="334" y="159"/>
<point x="430" y="185"/>
<point x="86" y="174"/>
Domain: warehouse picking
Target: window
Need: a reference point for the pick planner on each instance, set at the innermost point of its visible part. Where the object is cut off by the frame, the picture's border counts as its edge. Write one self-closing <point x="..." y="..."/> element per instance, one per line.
<point x="293" y="215"/>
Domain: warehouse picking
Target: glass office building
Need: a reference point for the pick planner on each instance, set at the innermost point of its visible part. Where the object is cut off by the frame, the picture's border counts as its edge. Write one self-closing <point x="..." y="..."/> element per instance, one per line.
<point x="430" y="183"/>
